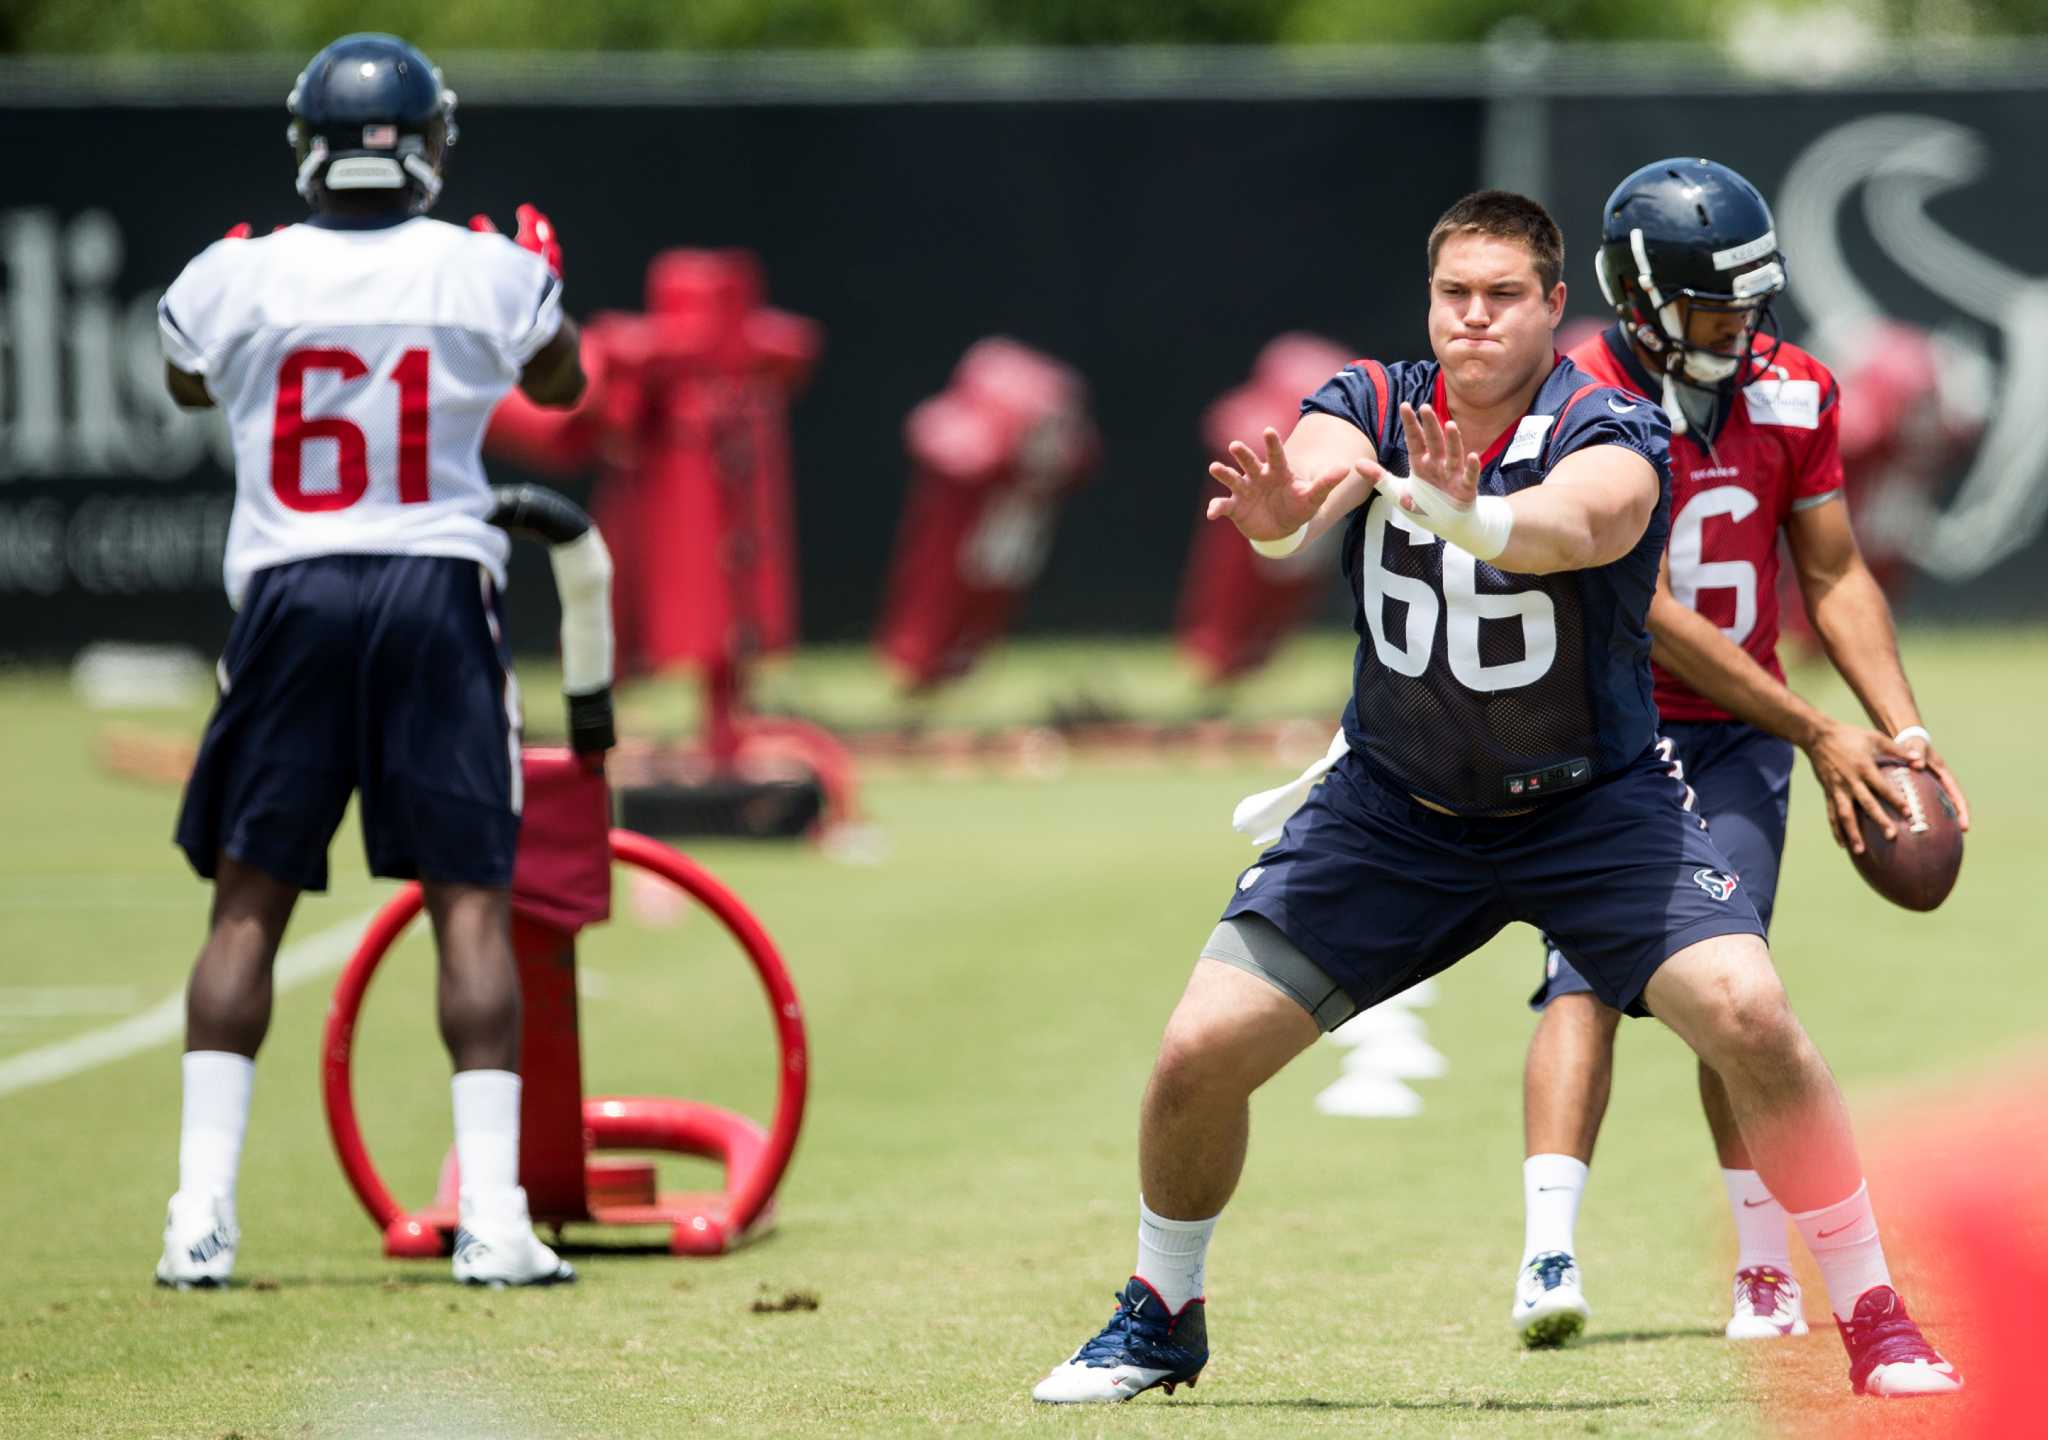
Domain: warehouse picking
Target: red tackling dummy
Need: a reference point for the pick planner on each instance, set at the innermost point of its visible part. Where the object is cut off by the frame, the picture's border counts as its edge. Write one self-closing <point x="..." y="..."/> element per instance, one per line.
<point x="562" y="874"/>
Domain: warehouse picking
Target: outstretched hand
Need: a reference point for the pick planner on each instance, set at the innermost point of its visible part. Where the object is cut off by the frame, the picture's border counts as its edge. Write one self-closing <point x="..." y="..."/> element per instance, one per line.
<point x="1437" y="457"/>
<point x="1267" y="499"/>
<point x="536" y="233"/>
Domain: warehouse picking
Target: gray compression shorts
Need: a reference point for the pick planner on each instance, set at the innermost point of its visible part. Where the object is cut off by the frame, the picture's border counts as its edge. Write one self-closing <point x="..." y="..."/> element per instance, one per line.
<point x="1256" y="946"/>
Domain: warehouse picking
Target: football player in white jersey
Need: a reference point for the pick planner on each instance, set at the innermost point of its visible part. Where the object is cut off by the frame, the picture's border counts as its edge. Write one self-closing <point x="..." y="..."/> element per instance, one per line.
<point x="358" y="357"/>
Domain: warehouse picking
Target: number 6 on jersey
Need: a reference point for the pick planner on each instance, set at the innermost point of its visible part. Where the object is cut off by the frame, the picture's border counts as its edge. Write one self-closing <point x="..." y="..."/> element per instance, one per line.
<point x="1463" y="607"/>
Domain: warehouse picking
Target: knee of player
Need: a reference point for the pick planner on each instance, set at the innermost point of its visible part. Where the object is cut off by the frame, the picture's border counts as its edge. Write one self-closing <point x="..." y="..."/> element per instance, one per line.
<point x="1195" y="1059"/>
<point x="1751" y="1014"/>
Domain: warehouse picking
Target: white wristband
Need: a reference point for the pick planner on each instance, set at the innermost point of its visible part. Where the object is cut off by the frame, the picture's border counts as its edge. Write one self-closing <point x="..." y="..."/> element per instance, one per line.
<point x="1912" y="732"/>
<point x="1285" y="545"/>
<point x="1481" y="529"/>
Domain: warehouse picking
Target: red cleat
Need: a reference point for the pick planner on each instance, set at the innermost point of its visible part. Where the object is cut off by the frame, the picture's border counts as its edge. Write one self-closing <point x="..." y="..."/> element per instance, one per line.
<point x="1888" y="1356"/>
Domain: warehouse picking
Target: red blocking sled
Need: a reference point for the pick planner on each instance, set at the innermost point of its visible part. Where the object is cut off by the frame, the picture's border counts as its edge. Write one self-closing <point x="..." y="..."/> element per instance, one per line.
<point x="563" y="883"/>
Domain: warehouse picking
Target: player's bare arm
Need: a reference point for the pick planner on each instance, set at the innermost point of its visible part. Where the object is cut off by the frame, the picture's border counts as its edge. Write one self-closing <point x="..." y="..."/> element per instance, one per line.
<point x="1845" y="757"/>
<point x="1855" y="624"/>
<point x="186" y="388"/>
<point x="1591" y="510"/>
<point x="1308" y="480"/>
<point x="554" y="376"/>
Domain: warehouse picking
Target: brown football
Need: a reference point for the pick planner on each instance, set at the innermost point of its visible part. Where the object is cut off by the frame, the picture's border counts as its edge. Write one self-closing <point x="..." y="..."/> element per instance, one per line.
<point x="1918" y="869"/>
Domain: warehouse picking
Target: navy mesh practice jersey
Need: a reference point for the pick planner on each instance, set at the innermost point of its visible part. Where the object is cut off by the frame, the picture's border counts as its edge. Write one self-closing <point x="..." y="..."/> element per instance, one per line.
<point x="1475" y="688"/>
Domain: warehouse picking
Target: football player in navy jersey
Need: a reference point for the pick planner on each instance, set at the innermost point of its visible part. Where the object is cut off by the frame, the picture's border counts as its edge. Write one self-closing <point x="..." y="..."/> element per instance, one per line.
<point x="1505" y="516"/>
<point x="1689" y="261"/>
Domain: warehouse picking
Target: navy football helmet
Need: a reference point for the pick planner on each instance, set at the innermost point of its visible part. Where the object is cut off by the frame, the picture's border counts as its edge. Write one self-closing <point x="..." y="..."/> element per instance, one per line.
<point x="369" y="112"/>
<point x="1683" y="237"/>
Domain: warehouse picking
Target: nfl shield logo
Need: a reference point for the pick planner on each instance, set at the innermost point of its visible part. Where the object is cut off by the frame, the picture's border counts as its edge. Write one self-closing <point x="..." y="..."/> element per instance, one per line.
<point x="1717" y="883"/>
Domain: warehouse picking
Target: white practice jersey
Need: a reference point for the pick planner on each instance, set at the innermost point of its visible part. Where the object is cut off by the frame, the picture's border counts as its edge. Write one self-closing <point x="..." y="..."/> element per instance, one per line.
<point x="358" y="370"/>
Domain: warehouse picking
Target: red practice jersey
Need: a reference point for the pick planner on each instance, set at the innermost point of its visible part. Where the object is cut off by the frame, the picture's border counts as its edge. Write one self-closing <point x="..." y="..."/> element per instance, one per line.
<point x="1775" y="449"/>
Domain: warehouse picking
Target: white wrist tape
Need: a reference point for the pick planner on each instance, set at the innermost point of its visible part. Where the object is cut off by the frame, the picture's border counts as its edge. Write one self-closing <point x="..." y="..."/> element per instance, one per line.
<point x="583" y="580"/>
<point x="1285" y="545"/>
<point x="1912" y="732"/>
<point x="1481" y="529"/>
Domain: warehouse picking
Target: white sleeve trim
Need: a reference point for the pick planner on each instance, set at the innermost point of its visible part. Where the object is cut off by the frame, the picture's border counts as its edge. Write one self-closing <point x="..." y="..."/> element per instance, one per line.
<point x="545" y="324"/>
<point x="179" y="348"/>
<point x="1814" y="502"/>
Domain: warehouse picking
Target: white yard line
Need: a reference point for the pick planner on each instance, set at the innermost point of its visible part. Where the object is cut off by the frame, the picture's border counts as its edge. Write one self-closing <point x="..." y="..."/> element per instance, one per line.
<point x="57" y="1002"/>
<point x="298" y="962"/>
<point x="95" y="902"/>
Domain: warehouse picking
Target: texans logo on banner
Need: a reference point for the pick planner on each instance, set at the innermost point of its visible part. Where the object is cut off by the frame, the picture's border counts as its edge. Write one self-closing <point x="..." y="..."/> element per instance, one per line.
<point x="1893" y="169"/>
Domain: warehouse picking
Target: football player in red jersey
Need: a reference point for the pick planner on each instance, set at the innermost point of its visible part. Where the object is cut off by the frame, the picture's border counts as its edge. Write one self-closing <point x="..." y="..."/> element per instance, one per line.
<point x="1689" y="260"/>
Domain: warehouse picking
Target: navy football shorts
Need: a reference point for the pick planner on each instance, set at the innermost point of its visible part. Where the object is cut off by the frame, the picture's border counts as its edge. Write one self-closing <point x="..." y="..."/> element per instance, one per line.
<point x="384" y="674"/>
<point x="1741" y="778"/>
<point x="1382" y="892"/>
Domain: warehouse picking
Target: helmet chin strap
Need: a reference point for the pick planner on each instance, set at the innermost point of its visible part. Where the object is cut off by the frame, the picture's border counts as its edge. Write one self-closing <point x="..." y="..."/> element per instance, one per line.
<point x="429" y="181"/>
<point x="309" y="168"/>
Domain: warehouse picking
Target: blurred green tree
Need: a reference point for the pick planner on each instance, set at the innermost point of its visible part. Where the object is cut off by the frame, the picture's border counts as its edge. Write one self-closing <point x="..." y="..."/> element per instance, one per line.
<point x="146" y="27"/>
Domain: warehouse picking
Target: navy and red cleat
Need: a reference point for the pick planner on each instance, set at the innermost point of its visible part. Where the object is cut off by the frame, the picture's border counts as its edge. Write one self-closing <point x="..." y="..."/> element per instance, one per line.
<point x="1141" y="1346"/>
<point x="1888" y="1356"/>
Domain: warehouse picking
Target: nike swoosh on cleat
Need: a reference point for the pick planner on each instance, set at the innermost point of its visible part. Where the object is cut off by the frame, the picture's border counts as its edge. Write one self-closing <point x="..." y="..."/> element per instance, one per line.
<point x="1752" y="1204"/>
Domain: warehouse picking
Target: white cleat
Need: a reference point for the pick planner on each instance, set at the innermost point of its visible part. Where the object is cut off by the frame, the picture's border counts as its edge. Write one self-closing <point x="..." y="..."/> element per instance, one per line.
<point x="1767" y="1305"/>
<point x="1077" y="1384"/>
<point x="1142" y="1346"/>
<point x="1550" y="1309"/>
<point x="200" y="1237"/>
<point x="1913" y="1378"/>
<point x="495" y="1245"/>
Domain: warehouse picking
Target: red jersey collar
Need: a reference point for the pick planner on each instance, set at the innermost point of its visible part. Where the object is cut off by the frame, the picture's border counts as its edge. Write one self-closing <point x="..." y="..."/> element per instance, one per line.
<point x="1439" y="401"/>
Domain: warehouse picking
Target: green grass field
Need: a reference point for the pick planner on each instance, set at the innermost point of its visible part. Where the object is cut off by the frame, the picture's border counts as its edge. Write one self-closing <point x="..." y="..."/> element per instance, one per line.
<point x="983" y="1007"/>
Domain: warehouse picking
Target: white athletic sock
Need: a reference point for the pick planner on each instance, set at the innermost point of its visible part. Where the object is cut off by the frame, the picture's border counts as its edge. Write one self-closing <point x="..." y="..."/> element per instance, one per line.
<point x="1173" y="1255"/>
<point x="1761" y="1237"/>
<point x="487" y="1132"/>
<point x="1551" y="1187"/>
<point x="213" y="1119"/>
<point x="1843" y="1239"/>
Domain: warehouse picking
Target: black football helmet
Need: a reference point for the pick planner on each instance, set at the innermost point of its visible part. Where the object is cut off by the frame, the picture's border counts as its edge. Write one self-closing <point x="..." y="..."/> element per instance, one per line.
<point x="369" y="112"/>
<point x="1683" y="236"/>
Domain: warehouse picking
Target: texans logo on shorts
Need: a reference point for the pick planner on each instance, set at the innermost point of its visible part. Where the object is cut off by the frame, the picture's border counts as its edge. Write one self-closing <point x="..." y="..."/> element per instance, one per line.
<point x="1717" y="883"/>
